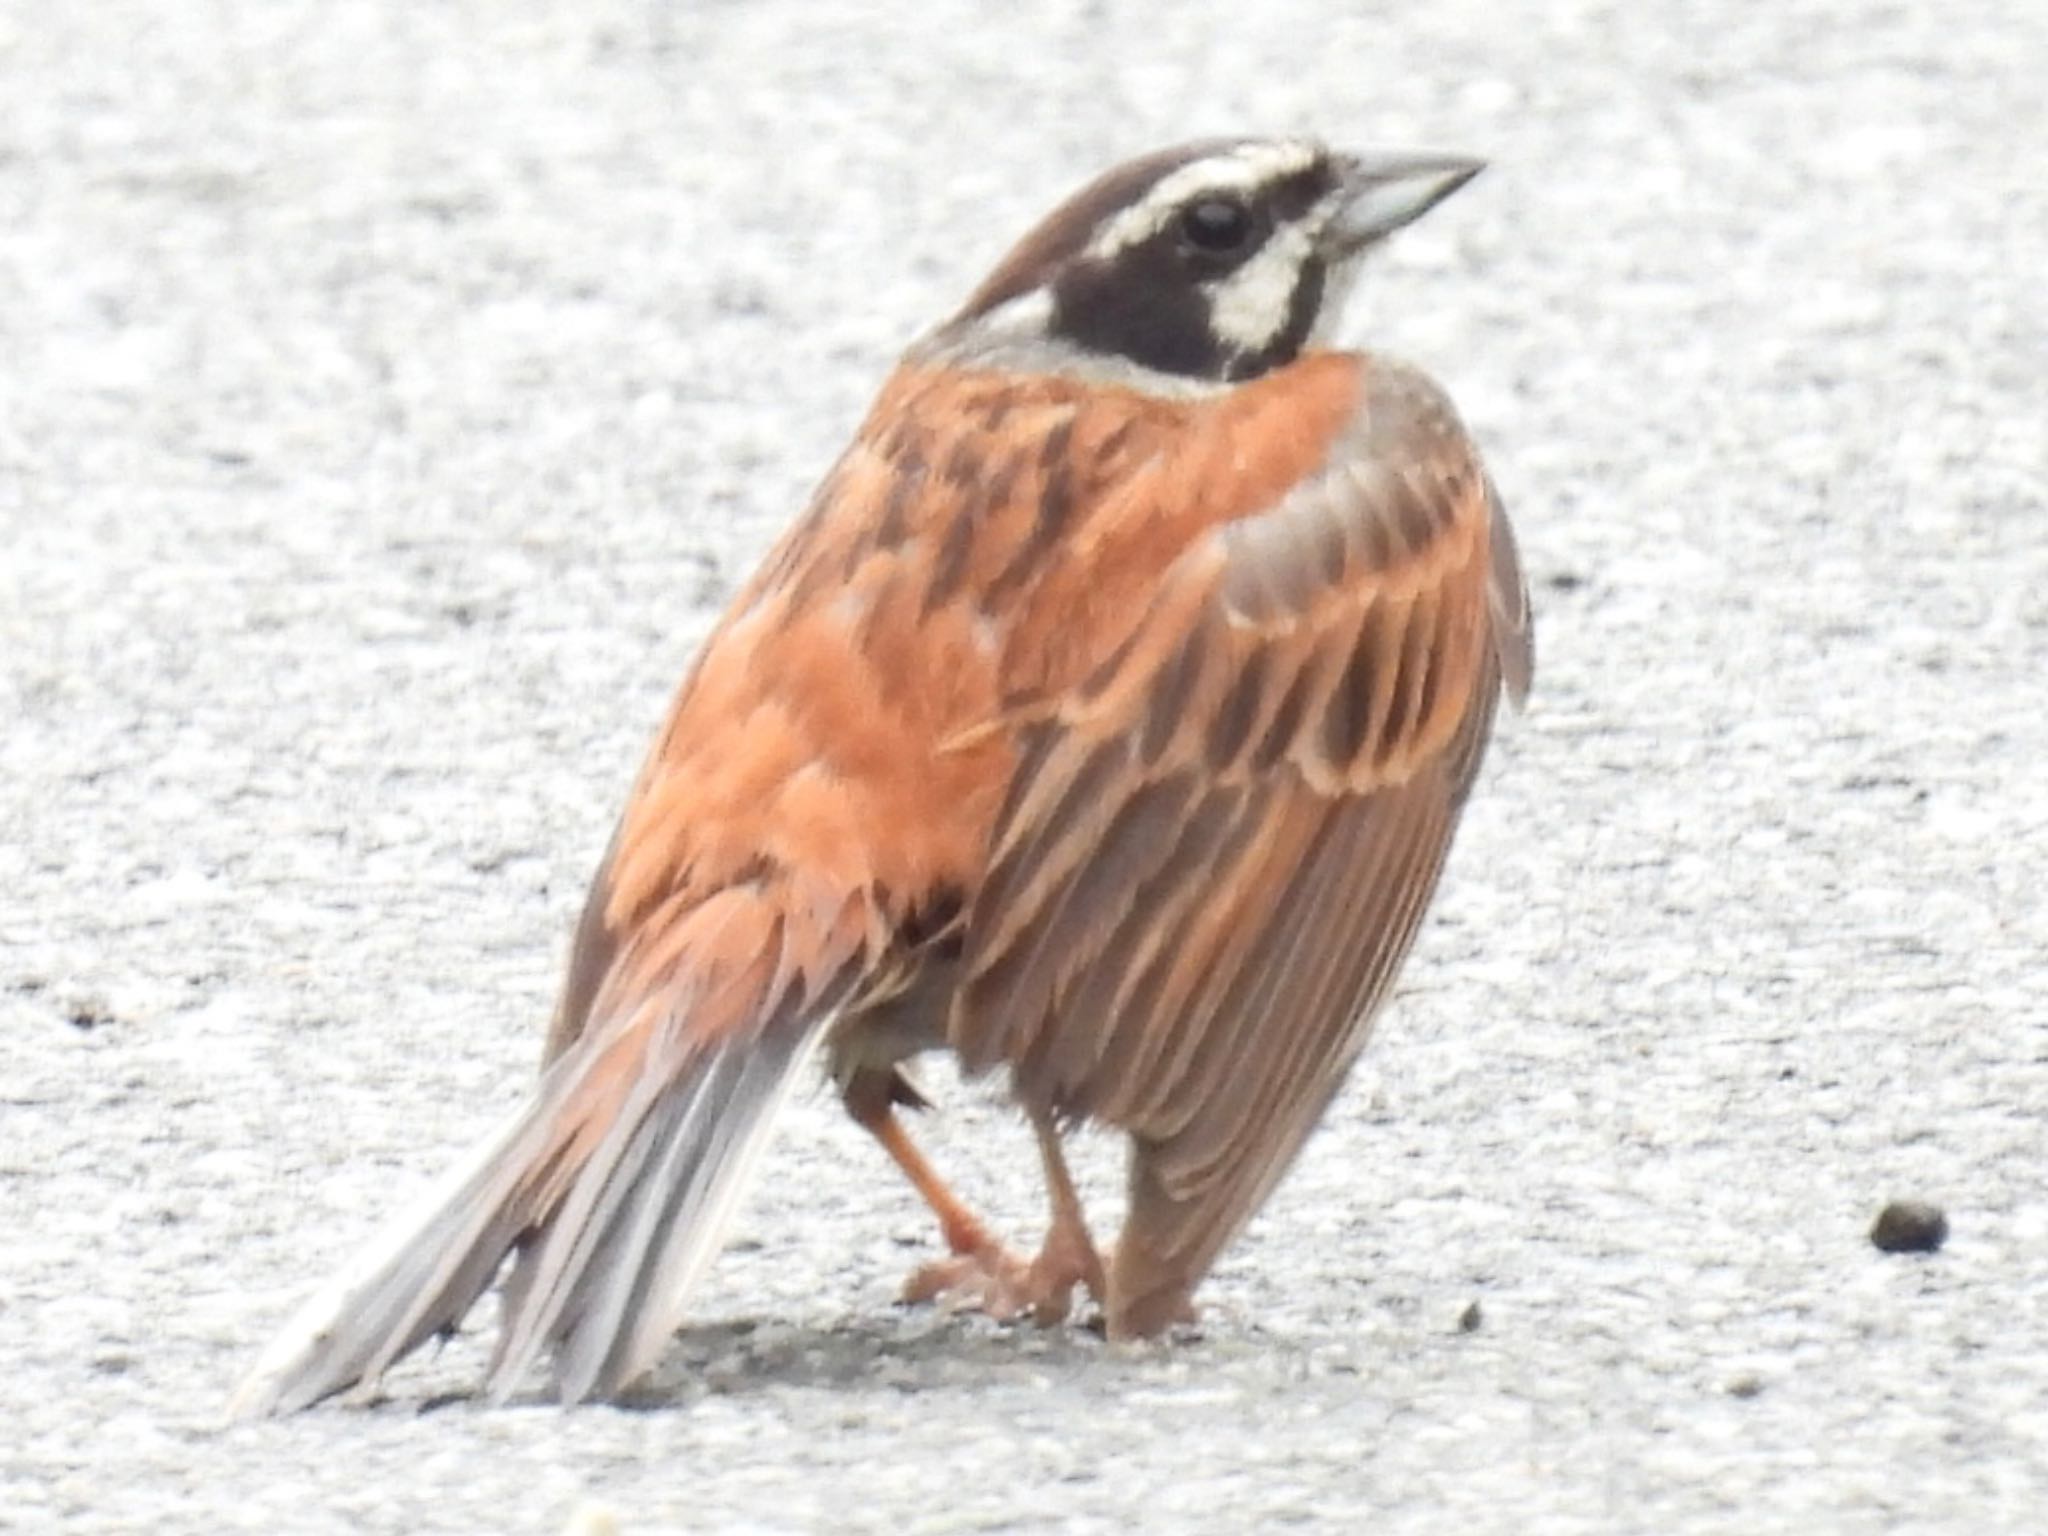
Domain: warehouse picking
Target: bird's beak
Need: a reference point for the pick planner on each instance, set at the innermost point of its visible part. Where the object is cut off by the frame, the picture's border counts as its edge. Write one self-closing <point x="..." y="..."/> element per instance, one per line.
<point x="1382" y="192"/>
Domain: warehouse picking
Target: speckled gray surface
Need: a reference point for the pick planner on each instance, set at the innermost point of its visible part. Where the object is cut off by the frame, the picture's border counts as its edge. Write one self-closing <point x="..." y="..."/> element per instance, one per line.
<point x="391" y="394"/>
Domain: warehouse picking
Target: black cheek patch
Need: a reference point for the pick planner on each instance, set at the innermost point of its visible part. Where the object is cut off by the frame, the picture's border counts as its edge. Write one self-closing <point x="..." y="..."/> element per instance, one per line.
<point x="1144" y="306"/>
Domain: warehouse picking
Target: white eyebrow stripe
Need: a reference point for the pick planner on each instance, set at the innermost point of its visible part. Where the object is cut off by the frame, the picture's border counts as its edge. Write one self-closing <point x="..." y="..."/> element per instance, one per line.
<point x="1234" y="170"/>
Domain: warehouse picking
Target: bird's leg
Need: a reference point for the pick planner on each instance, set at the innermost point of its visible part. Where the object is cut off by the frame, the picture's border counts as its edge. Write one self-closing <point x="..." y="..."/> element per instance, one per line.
<point x="1068" y="1257"/>
<point x="981" y="1271"/>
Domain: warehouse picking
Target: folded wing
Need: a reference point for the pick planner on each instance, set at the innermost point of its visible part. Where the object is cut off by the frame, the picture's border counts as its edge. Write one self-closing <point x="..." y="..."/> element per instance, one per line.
<point x="1217" y="849"/>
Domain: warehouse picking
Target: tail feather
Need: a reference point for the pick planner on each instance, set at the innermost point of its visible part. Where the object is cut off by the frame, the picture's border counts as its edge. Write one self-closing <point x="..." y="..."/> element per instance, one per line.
<point x="613" y="1184"/>
<point x="605" y="1286"/>
<point x="611" y="1187"/>
<point x="420" y="1276"/>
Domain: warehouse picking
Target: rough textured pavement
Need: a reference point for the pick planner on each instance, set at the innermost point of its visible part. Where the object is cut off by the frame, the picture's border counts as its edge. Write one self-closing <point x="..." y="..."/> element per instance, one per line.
<point x="391" y="394"/>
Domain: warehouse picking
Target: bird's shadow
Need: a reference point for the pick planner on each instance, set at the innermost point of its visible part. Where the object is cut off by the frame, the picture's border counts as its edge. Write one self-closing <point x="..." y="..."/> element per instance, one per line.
<point x="902" y="1352"/>
<point x="899" y="1352"/>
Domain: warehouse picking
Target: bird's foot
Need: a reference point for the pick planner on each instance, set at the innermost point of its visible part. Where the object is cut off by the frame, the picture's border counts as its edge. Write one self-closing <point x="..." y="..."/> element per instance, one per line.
<point x="986" y="1278"/>
<point x="991" y="1279"/>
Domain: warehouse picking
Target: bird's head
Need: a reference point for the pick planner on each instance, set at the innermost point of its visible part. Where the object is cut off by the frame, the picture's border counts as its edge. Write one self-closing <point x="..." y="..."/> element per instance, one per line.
<point x="1209" y="263"/>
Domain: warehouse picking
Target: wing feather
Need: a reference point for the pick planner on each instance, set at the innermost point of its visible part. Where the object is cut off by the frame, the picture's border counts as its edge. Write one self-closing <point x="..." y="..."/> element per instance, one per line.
<point x="1221" y="843"/>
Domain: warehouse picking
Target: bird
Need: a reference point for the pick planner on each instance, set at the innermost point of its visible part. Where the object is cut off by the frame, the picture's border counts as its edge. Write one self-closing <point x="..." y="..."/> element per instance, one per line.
<point x="1104" y="720"/>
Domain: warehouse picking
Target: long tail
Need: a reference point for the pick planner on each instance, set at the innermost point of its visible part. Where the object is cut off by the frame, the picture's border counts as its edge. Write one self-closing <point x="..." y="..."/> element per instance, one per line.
<point x="613" y="1184"/>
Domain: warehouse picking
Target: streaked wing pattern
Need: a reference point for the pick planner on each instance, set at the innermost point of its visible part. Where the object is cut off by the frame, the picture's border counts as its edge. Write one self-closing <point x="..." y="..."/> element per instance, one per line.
<point x="1217" y="848"/>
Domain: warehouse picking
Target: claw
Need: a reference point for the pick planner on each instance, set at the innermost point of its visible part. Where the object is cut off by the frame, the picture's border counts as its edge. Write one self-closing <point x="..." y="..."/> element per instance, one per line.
<point x="988" y="1279"/>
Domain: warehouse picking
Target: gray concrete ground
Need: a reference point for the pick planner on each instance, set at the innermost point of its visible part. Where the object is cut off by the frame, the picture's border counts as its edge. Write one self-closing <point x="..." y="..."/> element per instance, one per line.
<point x="392" y="393"/>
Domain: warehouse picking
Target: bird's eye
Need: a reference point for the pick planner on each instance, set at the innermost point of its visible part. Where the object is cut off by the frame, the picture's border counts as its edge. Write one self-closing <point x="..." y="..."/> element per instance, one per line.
<point x="1217" y="225"/>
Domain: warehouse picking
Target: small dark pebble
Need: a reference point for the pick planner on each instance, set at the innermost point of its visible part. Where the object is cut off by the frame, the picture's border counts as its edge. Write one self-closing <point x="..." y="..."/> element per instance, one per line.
<point x="1910" y="1226"/>
<point x="87" y="1011"/>
<point x="1470" y="1319"/>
